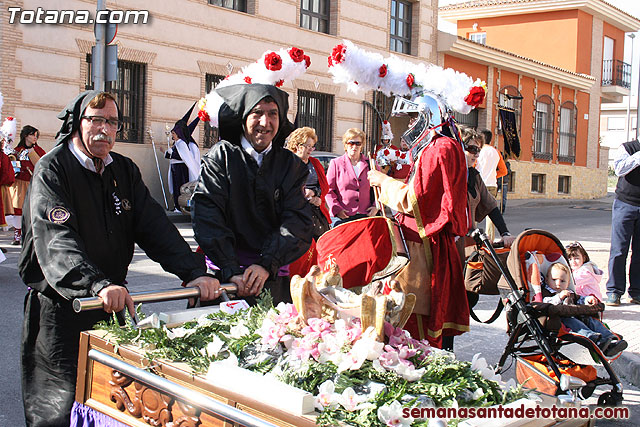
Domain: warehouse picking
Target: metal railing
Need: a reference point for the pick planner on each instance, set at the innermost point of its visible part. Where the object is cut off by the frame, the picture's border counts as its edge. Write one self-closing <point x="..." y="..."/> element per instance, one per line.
<point x="616" y="73"/>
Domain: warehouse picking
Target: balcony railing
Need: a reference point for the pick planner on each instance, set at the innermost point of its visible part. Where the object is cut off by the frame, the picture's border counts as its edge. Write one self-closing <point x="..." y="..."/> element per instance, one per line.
<point x="616" y="73"/>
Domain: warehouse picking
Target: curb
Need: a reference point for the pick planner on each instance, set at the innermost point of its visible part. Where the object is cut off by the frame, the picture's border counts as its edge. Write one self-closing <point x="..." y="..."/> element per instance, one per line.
<point x="628" y="366"/>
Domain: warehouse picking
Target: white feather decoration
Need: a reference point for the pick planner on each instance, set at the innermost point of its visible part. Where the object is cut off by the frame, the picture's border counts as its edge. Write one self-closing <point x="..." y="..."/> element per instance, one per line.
<point x="360" y="69"/>
<point x="273" y="68"/>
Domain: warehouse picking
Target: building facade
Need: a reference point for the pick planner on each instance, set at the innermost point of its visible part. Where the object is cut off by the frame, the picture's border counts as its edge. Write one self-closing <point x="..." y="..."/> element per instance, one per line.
<point x="555" y="63"/>
<point x="618" y="124"/>
<point x="186" y="46"/>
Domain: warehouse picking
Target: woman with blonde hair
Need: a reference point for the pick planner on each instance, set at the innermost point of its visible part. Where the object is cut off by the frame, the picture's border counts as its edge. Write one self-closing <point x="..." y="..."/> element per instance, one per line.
<point x="349" y="194"/>
<point x="302" y="142"/>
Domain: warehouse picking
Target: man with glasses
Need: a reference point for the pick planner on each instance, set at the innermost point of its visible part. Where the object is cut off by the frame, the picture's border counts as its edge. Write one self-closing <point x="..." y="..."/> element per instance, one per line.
<point x="86" y="208"/>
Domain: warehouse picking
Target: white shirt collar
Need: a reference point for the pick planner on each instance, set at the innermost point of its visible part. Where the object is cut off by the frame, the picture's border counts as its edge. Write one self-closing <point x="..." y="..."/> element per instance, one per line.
<point x="246" y="146"/>
<point x="84" y="160"/>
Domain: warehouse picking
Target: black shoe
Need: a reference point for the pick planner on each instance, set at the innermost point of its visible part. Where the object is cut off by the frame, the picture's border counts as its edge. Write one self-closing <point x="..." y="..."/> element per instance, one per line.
<point x="613" y="300"/>
<point x="616" y="348"/>
<point x="604" y="344"/>
<point x="4" y="251"/>
<point x="15" y="242"/>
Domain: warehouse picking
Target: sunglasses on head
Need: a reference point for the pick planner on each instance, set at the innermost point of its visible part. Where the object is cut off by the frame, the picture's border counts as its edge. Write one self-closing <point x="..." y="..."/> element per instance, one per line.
<point x="473" y="149"/>
<point x="574" y="245"/>
<point x="356" y="143"/>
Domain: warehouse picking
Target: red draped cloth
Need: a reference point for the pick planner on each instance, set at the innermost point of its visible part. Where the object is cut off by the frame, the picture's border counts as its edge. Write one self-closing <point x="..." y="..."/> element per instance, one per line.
<point x="439" y="193"/>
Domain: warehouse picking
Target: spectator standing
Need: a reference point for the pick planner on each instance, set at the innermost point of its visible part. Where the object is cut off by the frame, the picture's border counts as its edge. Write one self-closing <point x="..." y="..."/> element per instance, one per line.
<point x="302" y="142"/>
<point x="625" y="226"/>
<point x="491" y="167"/>
<point x="7" y="135"/>
<point x="28" y="152"/>
<point x="183" y="155"/>
<point x="349" y="194"/>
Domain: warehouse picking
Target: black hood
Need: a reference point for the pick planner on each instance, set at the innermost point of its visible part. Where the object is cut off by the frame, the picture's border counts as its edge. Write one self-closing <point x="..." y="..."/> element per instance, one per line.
<point x="72" y="113"/>
<point x="240" y="99"/>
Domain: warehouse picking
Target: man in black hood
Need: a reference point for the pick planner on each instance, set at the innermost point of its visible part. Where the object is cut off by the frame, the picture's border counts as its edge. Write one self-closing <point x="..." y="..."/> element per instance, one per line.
<point x="86" y="208"/>
<point x="249" y="213"/>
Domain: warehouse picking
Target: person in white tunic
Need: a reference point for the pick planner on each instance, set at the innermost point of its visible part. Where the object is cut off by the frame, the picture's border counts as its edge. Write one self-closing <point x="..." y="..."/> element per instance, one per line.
<point x="183" y="155"/>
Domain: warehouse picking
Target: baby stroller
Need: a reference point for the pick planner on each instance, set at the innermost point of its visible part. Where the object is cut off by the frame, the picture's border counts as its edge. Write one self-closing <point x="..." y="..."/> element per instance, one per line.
<point x="548" y="356"/>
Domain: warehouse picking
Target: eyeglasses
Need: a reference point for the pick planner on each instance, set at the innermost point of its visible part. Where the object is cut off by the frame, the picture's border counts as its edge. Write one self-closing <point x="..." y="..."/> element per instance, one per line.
<point x="100" y="121"/>
<point x="310" y="147"/>
<point x="356" y="143"/>
<point x="473" y="149"/>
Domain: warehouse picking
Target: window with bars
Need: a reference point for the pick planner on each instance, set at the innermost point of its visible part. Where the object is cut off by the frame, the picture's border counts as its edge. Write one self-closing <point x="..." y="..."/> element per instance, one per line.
<point x="538" y="183"/>
<point x="314" y="15"/>
<point x="211" y="134"/>
<point x="239" y="5"/>
<point x="316" y="111"/>
<point x="567" y="134"/>
<point x="129" y="89"/>
<point x="564" y="184"/>
<point x="543" y="136"/>
<point x="469" y="120"/>
<point x="511" y="97"/>
<point x="371" y="120"/>
<point x="400" y="26"/>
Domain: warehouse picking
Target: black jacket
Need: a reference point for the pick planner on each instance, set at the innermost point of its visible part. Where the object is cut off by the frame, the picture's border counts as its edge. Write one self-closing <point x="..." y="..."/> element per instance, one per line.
<point x="80" y="227"/>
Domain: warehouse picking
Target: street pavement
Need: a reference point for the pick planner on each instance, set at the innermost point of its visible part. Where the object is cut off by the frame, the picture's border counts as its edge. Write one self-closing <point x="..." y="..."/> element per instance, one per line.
<point x="586" y="221"/>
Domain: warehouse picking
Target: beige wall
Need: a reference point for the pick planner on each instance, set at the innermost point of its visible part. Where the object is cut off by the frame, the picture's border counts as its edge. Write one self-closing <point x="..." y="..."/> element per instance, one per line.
<point x="44" y="66"/>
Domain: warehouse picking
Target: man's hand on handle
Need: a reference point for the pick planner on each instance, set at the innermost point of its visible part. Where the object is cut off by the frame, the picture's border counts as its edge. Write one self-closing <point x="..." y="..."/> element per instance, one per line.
<point x="209" y="288"/>
<point x="252" y="281"/>
<point x="115" y="298"/>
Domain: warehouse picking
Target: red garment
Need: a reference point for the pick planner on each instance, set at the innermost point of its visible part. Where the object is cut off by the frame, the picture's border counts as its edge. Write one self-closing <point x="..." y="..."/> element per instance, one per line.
<point x="440" y="188"/>
<point x="7" y="177"/>
<point x="324" y="186"/>
<point x="27" y="166"/>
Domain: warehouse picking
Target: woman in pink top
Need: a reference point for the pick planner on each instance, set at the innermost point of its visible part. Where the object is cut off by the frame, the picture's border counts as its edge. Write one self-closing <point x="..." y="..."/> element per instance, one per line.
<point x="586" y="273"/>
<point x="349" y="195"/>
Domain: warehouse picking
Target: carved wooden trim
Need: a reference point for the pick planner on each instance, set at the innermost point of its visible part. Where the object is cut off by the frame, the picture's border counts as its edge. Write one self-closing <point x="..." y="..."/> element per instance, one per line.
<point x="155" y="408"/>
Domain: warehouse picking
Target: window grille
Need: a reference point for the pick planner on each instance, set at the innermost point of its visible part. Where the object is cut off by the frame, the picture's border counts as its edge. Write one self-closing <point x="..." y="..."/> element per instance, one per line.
<point x="211" y="134"/>
<point x="129" y="90"/>
<point x="543" y="137"/>
<point x="567" y="139"/>
<point x="316" y="111"/>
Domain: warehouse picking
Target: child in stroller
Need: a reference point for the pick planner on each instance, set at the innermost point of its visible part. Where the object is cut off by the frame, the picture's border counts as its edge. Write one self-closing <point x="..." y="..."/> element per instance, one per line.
<point x="557" y="291"/>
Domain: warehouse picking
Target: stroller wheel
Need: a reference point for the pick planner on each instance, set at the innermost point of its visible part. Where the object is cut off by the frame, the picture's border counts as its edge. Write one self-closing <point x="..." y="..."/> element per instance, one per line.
<point x="610" y="398"/>
<point x="585" y="392"/>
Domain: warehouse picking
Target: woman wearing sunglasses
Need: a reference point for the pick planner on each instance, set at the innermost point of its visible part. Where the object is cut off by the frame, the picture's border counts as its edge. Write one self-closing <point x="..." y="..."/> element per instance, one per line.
<point x="481" y="203"/>
<point x="349" y="195"/>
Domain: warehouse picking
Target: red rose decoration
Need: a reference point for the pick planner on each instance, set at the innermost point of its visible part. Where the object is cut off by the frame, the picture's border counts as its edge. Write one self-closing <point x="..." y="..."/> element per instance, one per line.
<point x="204" y="116"/>
<point x="410" y="80"/>
<point x="307" y="60"/>
<point x="386" y="152"/>
<point x="279" y="83"/>
<point x="403" y="155"/>
<point x="296" y="54"/>
<point x="475" y="97"/>
<point x="382" y="71"/>
<point x="247" y="79"/>
<point x="9" y="118"/>
<point x="337" y="55"/>
<point x="273" y="61"/>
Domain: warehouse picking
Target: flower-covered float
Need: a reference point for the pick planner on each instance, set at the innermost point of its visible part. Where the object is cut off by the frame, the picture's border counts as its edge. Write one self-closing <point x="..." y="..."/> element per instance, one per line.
<point x="341" y="348"/>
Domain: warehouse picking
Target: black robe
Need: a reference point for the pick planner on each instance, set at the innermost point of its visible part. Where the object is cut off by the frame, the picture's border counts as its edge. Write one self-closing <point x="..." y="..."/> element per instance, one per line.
<point x="239" y="207"/>
<point x="79" y="231"/>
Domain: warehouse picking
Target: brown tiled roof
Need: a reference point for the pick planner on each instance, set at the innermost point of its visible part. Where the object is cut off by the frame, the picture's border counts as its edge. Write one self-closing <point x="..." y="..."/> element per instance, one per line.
<point x="482" y="3"/>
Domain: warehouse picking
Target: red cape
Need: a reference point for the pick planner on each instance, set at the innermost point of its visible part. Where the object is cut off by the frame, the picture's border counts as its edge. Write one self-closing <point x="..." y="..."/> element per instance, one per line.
<point x="439" y="188"/>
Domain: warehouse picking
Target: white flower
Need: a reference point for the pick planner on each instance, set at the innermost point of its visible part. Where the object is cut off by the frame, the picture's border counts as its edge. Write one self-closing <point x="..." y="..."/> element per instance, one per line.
<point x="478" y="363"/>
<point x="409" y="373"/>
<point x="214" y="347"/>
<point x="509" y="385"/>
<point x="328" y="348"/>
<point x="238" y="331"/>
<point x="179" y="332"/>
<point x="349" y="399"/>
<point x="353" y="360"/>
<point x="368" y="348"/>
<point x="204" y="320"/>
<point x="392" y="415"/>
<point x="327" y="397"/>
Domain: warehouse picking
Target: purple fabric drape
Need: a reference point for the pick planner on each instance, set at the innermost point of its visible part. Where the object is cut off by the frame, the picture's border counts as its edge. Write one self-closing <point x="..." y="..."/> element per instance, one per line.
<point x="83" y="416"/>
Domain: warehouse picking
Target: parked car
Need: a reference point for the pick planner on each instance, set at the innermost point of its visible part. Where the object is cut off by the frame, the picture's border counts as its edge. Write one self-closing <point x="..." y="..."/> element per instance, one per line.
<point x="324" y="157"/>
